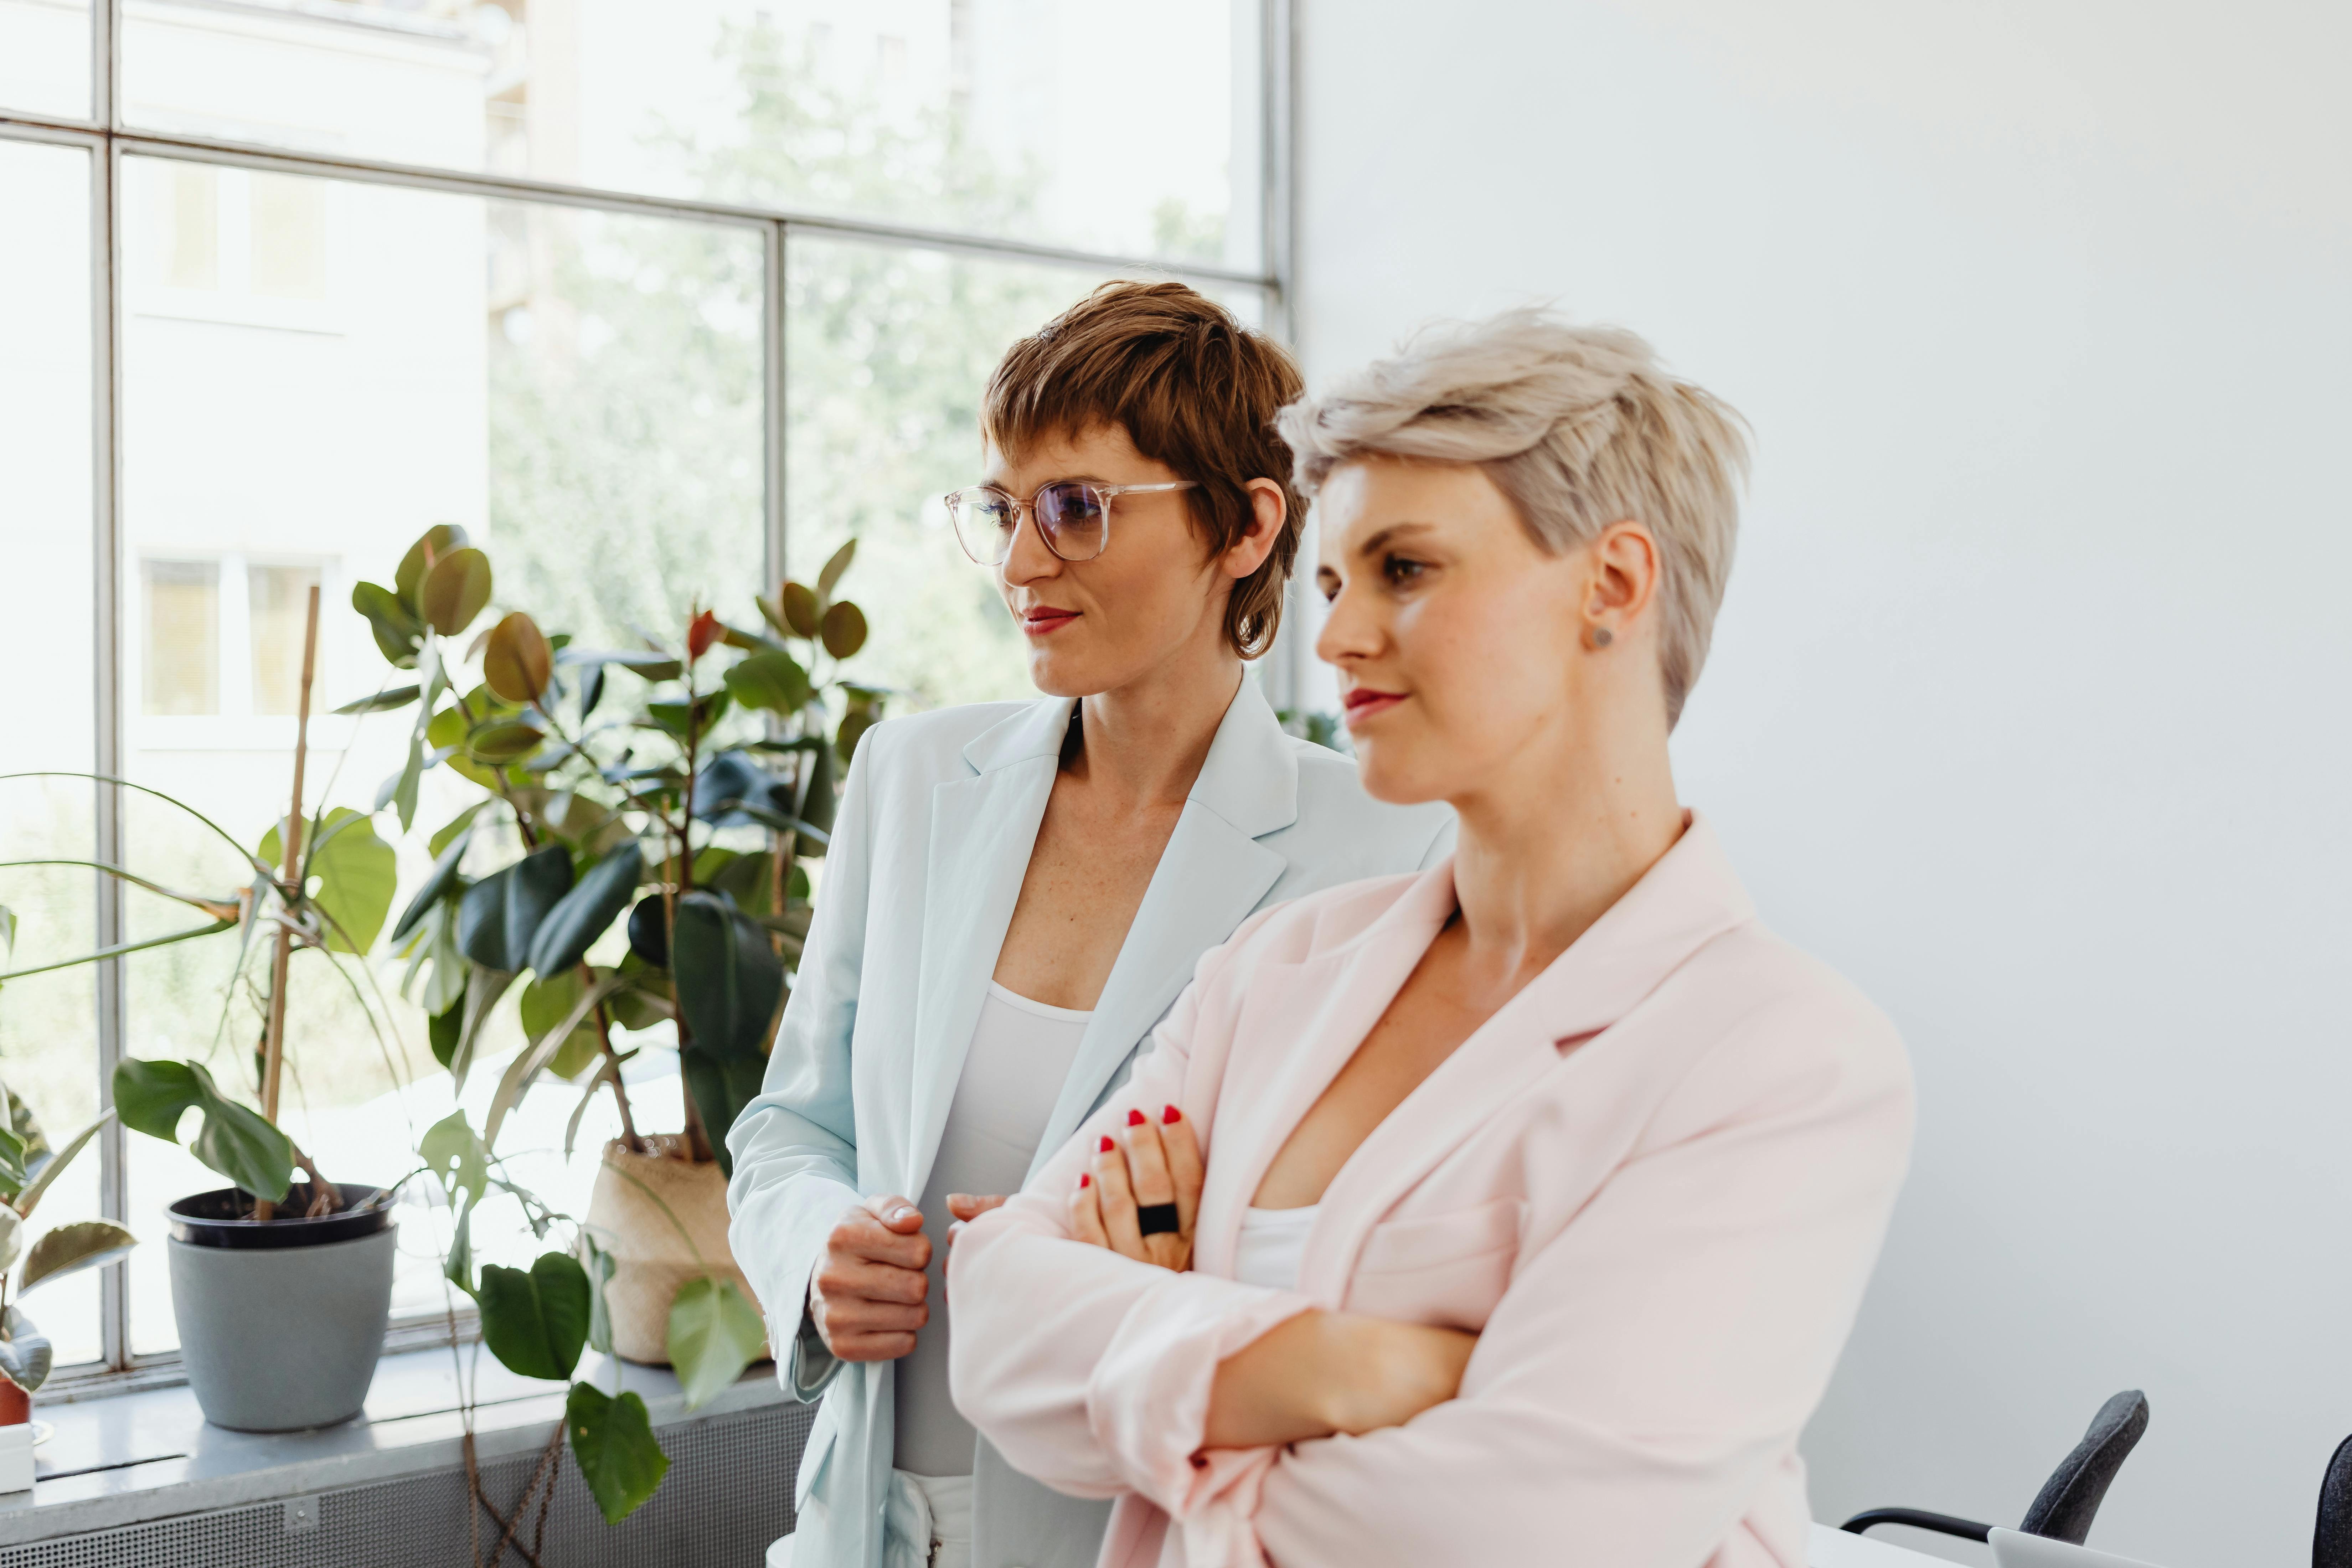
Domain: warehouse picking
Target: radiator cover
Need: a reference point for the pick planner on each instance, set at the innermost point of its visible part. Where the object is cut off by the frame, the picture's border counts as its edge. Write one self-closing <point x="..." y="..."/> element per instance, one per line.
<point x="729" y="1493"/>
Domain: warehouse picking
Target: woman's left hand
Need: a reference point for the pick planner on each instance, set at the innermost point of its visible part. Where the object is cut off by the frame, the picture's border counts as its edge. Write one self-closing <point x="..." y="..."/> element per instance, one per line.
<point x="1154" y="1165"/>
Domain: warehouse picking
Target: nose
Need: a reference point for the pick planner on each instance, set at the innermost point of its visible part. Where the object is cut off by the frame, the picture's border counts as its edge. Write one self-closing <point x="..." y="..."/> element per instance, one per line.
<point x="1027" y="559"/>
<point x="1352" y="630"/>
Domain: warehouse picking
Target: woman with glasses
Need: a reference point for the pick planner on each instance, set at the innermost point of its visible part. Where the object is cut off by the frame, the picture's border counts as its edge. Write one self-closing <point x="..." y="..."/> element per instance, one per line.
<point x="1539" y="1188"/>
<point x="1016" y="892"/>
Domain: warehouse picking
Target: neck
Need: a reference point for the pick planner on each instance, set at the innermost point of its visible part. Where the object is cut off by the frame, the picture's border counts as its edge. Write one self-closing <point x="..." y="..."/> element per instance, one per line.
<point x="1558" y="835"/>
<point x="1145" y="741"/>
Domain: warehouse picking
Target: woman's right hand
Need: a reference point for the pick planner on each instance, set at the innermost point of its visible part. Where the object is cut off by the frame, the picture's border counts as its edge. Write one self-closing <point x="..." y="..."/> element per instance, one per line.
<point x="868" y="1296"/>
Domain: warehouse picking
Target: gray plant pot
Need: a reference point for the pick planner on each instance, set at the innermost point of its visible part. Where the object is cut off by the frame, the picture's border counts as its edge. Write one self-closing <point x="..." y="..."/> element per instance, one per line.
<point x="280" y="1322"/>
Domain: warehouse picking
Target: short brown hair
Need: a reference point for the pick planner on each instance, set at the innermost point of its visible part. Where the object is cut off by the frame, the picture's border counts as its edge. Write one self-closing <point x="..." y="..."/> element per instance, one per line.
<point x="1192" y="388"/>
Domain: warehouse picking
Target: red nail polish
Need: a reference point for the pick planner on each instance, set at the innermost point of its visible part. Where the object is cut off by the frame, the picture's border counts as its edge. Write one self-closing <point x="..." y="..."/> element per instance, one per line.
<point x="1086" y="1180"/>
<point x="1171" y="1116"/>
<point x="1135" y="1119"/>
<point x="1107" y="1145"/>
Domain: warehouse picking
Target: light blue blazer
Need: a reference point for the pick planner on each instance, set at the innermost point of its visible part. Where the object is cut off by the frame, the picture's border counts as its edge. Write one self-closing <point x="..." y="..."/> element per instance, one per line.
<point x="929" y="848"/>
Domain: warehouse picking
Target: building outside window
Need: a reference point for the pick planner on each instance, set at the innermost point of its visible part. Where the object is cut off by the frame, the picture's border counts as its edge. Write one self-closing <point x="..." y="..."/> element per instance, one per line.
<point x="659" y="304"/>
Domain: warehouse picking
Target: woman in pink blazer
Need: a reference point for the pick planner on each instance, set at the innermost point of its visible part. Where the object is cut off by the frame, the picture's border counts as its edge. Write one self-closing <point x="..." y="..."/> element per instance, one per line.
<point x="1513" y="1212"/>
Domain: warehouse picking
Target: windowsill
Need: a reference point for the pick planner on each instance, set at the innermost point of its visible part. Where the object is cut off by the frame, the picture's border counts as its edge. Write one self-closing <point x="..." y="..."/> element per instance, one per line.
<point x="134" y="1457"/>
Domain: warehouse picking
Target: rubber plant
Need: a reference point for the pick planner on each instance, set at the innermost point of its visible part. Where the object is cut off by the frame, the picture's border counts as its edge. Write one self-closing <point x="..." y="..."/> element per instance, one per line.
<point x="28" y="1168"/>
<point x="602" y="780"/>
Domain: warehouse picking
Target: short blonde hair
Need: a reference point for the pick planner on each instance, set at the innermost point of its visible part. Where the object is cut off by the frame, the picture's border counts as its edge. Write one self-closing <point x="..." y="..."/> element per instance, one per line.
<point x="1579" y="426"/>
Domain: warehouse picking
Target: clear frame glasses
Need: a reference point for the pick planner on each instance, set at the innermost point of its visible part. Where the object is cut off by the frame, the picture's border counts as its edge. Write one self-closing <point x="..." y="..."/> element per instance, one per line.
<point x="1073" y="517"/>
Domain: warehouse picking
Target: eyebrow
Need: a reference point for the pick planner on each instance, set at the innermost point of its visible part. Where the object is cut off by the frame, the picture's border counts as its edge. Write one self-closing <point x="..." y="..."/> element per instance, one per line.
<point x="1390" y="535"/>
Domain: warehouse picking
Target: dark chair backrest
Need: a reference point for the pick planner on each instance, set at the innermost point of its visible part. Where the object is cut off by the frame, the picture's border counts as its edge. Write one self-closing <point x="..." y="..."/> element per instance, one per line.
<point x="2070" y="1498"/>
<point x="2331" y="1539"/>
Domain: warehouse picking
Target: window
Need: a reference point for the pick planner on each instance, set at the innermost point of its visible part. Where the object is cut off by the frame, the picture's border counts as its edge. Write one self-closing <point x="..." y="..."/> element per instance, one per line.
<point x="663" y="302"/>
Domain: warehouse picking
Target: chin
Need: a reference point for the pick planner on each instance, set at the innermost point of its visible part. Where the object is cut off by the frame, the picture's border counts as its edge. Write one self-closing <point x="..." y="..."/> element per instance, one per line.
<point x="1390" y="770"/>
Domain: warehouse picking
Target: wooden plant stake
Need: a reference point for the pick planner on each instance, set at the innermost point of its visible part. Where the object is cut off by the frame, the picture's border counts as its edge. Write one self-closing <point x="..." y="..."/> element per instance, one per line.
<point x="273" y="1040"/>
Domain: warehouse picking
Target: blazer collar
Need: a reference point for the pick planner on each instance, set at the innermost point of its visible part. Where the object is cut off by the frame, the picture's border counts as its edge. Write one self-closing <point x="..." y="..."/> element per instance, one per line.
<point x="1250" y="777"/>
<point x="983" y="830"/>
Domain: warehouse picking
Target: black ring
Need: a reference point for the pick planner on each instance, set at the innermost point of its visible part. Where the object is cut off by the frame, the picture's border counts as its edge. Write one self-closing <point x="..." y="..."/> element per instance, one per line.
<point x="1156" y="1219"/>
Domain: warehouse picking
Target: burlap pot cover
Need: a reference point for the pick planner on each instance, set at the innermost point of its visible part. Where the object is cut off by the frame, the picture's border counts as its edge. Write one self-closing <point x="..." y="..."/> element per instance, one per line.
<point x="651" y="1259"/>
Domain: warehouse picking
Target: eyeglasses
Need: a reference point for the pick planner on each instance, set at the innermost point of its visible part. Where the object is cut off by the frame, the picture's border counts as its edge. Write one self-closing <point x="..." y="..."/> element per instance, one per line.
<point x="1073" y="517"/>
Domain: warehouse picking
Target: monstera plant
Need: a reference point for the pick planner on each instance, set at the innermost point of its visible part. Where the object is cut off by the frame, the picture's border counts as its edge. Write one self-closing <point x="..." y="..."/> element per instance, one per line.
<point x="633" y="855"/>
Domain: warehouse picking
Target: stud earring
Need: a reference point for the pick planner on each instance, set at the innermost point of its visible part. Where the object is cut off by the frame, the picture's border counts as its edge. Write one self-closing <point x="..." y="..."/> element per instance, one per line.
<point x="1602" y="637"/>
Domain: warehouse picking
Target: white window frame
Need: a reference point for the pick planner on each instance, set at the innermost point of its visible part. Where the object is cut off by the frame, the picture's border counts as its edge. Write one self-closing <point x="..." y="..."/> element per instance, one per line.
<point x="117" y="609"/>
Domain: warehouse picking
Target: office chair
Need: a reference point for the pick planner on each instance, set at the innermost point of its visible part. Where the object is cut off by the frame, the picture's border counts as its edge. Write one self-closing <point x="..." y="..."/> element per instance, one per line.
<point x="2331" y="1539"/>
<point x="2070" y="1498"/>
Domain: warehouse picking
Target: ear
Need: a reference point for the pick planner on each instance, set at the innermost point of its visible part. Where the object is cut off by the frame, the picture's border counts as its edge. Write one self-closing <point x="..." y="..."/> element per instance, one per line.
<point x="1626" y="572"/>
<point x="1268" y="508"/>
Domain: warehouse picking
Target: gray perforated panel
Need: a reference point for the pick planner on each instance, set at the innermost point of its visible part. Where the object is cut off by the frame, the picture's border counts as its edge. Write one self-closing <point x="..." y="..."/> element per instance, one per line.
<point x="727" y="1496"/>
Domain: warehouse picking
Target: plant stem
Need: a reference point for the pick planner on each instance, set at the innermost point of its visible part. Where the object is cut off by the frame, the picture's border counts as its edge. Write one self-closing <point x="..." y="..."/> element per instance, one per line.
<point x="636" y="1144"/>
<point x="273" y="1053"/>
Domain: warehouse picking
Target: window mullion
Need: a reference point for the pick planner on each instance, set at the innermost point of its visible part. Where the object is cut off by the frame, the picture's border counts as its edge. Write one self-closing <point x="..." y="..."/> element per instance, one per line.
<point x="106" y="389"/>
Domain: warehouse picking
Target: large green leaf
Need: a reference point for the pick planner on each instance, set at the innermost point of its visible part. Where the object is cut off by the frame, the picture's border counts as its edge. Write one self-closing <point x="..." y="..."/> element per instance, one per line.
<point x="536" y="1322"/>
<point x="25" y="1353"/>
<point x="499" y="914"/>
<point x="721" y="1087"/>
<point x="729" y="979"/>
<point x="398" y="632"/>
<point x="714" y="1334"/>
<point x="587" y="911"/>
<point x="439" y="883"/>
<point x="454" y="591"/>
<point x="612" y="1438"/>
<point x="547" y="1001"/>
<point x="151" y="1097"/>
<point x="456" y="1156"/>
<point x="844" y="629"/>
<point x="356" y="872"/>
<point x="772" y="681"/>
<point x="431" y="546"/>
<point x="517" y="662"/>
<point x="55" y="1166"/>
<point x="830" y="573"/>
<point x="671" y="718"/>
<point x="535" y="1057"/>
<point x="817" y="800"/>
<point x="70" y="1248"/>
<point x="383" y="702"/>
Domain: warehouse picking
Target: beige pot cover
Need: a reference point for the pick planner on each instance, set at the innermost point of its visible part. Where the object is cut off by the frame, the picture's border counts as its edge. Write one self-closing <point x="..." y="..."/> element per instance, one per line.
<point x="651" y="1259"/>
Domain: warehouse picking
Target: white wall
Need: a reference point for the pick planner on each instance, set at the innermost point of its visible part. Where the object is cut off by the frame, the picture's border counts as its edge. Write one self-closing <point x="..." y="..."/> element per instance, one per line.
<point x="2028" y="705"/>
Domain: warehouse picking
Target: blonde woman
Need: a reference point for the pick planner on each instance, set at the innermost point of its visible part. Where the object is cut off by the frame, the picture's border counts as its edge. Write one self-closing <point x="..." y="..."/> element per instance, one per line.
<point x="1511" y="1212"/>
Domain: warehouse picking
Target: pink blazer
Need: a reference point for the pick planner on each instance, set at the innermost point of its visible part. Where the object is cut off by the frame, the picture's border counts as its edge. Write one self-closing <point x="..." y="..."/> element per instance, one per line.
<point x="1655" y="1182"/>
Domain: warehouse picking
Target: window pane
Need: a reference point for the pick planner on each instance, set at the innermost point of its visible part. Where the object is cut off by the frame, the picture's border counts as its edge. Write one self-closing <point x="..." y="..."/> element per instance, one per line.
<point x="278" y="602"/>
<point x="48" y="1032"/>
<point x="1130" y="126"/>
<point x="579" y="391"/>
<point x="182" y="629"/>
<point x="44" y="57"/>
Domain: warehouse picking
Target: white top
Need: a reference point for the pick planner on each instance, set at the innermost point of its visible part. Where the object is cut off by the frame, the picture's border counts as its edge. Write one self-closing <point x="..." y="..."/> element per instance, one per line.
<point x="1021" y="1053"/>
<point x="1273" y="1245"/>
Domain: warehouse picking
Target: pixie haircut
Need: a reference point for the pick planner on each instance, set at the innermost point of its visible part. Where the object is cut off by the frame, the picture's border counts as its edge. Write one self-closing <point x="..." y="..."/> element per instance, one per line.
<point x="1580" y="427"/>
<point x="1194" y="389"/>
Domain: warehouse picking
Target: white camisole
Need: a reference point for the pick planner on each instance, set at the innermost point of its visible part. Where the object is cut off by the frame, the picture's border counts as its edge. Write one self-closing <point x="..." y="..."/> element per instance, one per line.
<point x="1021" y="1055"/>
<point x="1273" y="1245"/>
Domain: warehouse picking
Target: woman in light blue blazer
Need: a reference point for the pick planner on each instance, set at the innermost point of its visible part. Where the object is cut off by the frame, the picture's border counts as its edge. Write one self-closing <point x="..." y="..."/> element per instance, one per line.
<point x="1016" y="892"/>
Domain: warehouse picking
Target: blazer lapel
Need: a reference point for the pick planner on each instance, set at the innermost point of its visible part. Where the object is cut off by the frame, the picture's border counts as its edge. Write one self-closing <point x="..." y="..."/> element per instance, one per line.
<point x="1370" y="970"/>
<point x="1686" y="899"/>
<point x="982" y="831"/>
<point x="1210" y="877"/>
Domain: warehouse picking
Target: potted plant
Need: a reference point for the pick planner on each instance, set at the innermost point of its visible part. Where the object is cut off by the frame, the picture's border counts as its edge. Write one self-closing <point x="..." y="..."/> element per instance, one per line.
<point x="281" y="1314"/>
<point x="27" y="1169"/>
<point x="624" y="791"/>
